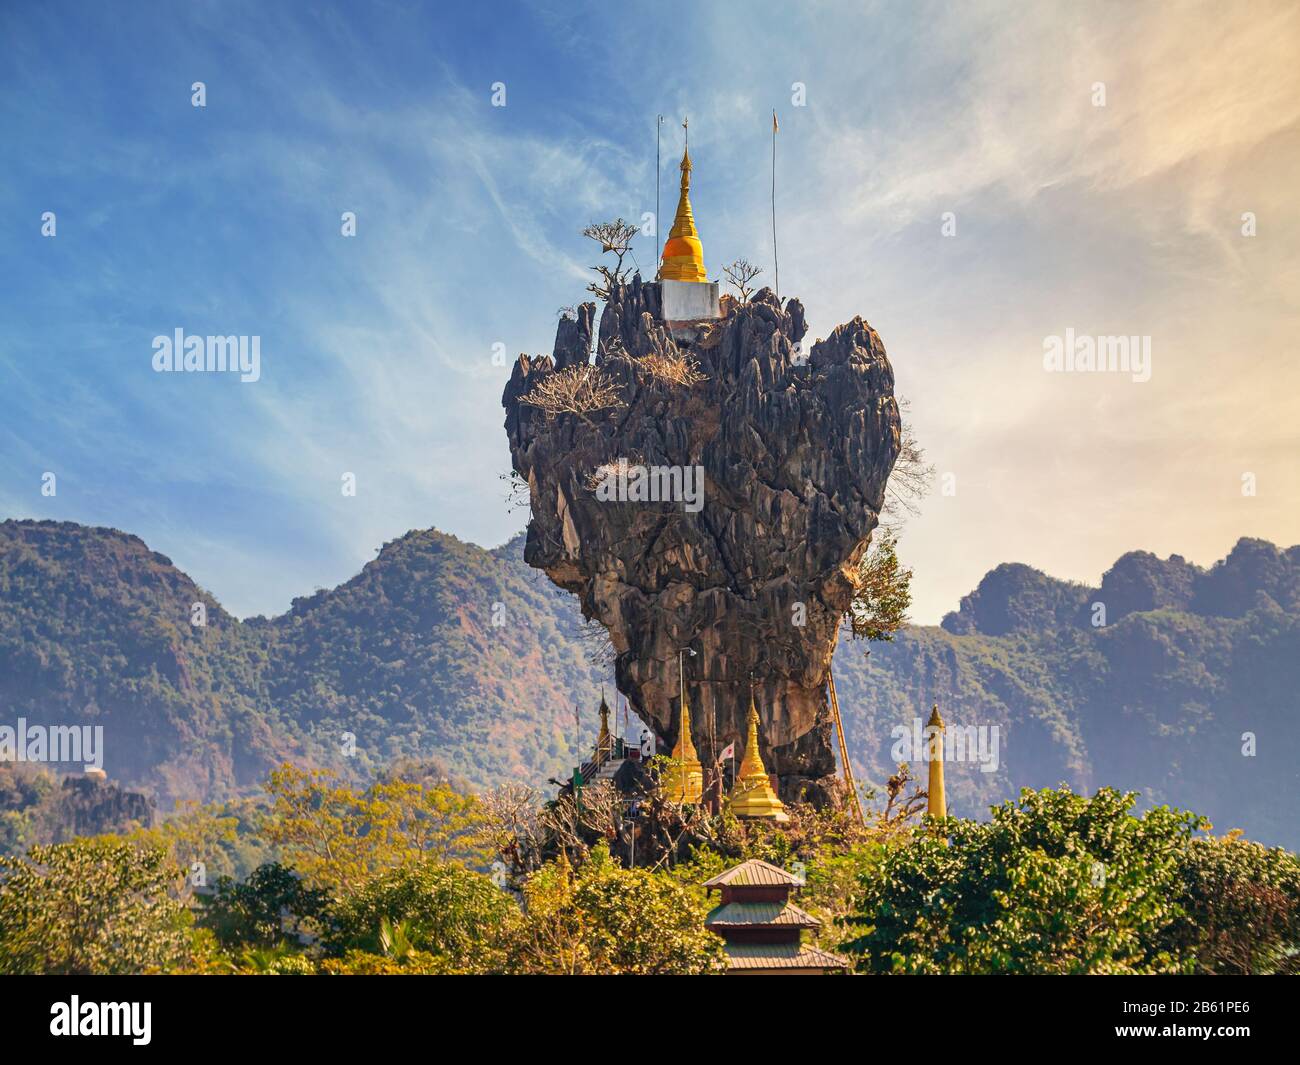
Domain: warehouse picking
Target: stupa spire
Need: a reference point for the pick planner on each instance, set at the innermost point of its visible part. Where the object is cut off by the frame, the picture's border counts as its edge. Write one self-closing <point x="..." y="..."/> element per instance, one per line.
<point x="604" y="741"/>
<point x="753" y="794"/>
<point x="683" y="252"/>
<point x="686" y="783"/>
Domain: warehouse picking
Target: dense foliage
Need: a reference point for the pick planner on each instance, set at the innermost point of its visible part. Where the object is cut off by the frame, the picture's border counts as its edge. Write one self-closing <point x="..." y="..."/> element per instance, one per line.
<point x="91" y="907"/>
<point x="1055" y="883"/>
<point x="458" y="920"/>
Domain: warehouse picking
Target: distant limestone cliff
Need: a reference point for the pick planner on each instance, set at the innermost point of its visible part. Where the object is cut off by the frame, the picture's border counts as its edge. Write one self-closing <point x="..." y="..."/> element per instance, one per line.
<point x="407" y="658"/>
<point x="754" y="573"/>
<point x="94" y="628"/>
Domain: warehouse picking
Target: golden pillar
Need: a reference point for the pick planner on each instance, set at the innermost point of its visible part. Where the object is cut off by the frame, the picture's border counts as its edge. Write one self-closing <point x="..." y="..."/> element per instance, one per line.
<point x="938" y="803"/>
<point x="604" y="742"/>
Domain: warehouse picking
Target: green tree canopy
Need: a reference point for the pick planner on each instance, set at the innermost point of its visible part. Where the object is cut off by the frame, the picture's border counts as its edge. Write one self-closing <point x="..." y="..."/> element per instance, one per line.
<point x="261" y="910"/>
<point x="1054" y="883"/>
<point x="605" y="919"/>
<point x="91" y="906"/>
<point x="454" y="914"/>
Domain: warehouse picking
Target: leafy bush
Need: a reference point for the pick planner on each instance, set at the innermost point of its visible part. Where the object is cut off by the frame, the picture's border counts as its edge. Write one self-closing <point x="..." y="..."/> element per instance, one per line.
<point x="1054" y="883"/>
<point x="447" y="911"/>
<point x="92" y="906"/>
<point x="262" y="909"/>
<point x="605" y="919"/>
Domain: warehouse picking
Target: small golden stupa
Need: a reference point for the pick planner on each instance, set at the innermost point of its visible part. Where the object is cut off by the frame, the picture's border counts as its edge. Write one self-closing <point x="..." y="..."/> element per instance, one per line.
<point x="604" y="741"/>
<point x="938" y="803"/>
<point x="753" y="794"/>
<point x="686" y="779"/>
<point x="683" y="252"/>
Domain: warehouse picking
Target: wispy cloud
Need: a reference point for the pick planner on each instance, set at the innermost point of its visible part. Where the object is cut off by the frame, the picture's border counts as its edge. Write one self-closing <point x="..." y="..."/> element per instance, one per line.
<point x="378" y="349"/>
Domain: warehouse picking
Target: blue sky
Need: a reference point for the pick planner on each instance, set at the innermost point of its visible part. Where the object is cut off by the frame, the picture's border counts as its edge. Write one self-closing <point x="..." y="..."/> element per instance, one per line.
<point x="377" y="349"/>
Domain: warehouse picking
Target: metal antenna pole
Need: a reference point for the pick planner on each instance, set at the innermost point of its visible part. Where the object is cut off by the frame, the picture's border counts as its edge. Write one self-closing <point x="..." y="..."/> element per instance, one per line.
<point x="659" y="124"/>
<point x="775" y="260"/>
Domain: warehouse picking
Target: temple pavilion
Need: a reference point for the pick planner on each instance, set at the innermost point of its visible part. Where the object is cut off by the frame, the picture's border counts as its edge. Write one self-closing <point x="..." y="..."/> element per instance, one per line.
<point x="763" y="929"/>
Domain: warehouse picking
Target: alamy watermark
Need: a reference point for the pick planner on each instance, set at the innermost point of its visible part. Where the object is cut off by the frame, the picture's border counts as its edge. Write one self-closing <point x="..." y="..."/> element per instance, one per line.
<point x="77" y="1018"/>
<point x="1082" y="353"/>
<point x="961" y="743"/>
<point x="52" y="743"/>
<point x="179" y="353"/>
<point x="624" y="482"/>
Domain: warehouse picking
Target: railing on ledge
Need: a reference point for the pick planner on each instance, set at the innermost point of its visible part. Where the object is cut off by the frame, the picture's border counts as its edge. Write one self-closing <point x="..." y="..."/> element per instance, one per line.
<point x="602" y="754"/>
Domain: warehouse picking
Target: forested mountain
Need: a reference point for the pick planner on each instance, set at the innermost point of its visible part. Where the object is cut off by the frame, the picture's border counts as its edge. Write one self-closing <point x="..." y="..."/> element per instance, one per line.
<point x="437" y="649"/>
<point x="1162" y="697"/>
<point x="440" y="649"/>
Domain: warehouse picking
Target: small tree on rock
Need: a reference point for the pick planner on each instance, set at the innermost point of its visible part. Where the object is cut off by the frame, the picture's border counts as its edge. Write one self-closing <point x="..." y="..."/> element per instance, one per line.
<point x="614" y="238"/>
<point x="581" y="390"/>
<point x="739" y="275"/>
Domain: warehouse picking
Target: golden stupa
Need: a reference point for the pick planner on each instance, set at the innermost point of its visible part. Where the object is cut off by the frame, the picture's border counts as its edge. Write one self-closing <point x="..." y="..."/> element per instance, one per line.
<point x="683" y="252"/>
<point x="604" y="741"/>
<point x="753" y="794"/>
<point x="686" y="779"/>
<point x="938" y="803"/>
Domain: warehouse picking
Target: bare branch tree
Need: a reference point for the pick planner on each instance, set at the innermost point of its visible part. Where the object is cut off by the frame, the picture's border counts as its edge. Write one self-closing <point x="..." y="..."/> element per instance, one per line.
<point x="517" y="494"/>
<point x="605" y="470"/>
<point x="513" y="826"/>
<point x="739" y="275"/>
<point x="597" y="647"/>
<point x="580" y="389"/>
<point x="911" y="478"/>
<point x="673" y="368"/>
<point x="900" y="806"/>
<point x="568" y="823"/>
<point x="614" y="238"/>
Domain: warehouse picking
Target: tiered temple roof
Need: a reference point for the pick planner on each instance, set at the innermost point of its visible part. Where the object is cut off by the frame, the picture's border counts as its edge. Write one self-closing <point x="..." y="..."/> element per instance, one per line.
<point x="763" y="929"/>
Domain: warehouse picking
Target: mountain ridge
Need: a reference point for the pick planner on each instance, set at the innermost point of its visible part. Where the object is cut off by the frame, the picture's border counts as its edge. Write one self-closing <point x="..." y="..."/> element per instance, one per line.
<point x="442" y="649"/>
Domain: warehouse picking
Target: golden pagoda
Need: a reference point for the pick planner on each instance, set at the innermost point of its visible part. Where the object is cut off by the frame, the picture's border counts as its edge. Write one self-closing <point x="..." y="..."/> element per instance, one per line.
<point x="753" y="794"/>
<point x="938" y="803"/>
<point x="604" y="743"/>
<point x="683" y="252"/>
<point x="686" y="780"/>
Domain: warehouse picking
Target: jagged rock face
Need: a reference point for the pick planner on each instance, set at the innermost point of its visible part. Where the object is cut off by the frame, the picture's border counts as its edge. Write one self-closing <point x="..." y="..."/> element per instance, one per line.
<point x="795" y="459"/>
<point x="90" y="808"/>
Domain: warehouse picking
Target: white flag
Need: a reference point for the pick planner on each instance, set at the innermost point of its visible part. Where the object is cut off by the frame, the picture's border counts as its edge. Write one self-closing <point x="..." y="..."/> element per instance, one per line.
<point x="729" y="751"/>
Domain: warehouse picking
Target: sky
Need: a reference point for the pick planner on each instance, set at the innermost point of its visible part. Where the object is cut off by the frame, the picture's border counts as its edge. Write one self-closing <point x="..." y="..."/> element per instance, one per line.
<point x="971" y="179"/>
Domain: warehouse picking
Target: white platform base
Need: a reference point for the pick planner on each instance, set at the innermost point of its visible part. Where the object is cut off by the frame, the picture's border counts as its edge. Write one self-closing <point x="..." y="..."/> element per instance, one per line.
<point x="687" y="303"/>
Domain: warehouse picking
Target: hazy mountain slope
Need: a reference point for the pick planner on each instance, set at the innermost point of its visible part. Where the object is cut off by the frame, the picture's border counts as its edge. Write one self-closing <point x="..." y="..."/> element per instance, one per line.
<point x="439" y="648"/>
<point x="94" y="628"/>
<point x="1158" y="699"/>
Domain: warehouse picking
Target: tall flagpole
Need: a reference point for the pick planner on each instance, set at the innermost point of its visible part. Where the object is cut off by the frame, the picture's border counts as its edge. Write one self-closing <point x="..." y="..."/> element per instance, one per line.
<point x="775" y="261"/>
<point x="659" y="123"/>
